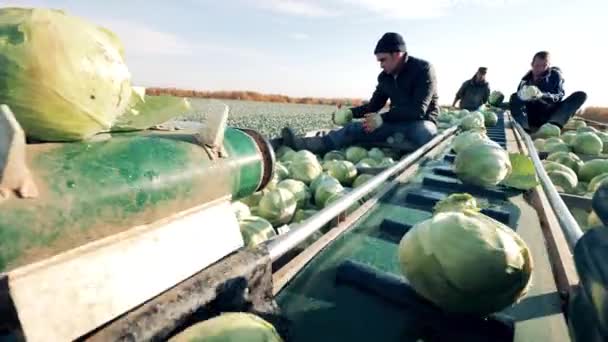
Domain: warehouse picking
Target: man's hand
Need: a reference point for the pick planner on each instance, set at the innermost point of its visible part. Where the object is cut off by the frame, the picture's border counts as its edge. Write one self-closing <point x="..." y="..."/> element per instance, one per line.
<point x="371" y="122"/>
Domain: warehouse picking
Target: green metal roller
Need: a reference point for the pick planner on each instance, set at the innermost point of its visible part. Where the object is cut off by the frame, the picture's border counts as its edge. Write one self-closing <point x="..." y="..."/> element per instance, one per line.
<point x="90" y="190"/>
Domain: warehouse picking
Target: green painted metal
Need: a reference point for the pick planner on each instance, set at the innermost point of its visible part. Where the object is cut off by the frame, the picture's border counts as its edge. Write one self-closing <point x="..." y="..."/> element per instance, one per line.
<point x="91" y="190"/>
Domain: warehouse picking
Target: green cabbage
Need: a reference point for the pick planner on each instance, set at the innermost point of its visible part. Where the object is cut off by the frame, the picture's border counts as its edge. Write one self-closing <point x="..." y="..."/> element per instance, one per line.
<point x="277" y="206"/>
<point x="315" y="183"/>
<point x="281" y="171"/>
<point x="367" y="162"/>
<point x="376" y="154"/>
<point x="597" y="181"/>
<point x="343" y="116"/>
<point x="483" y="164"/>
<point x="472" y="121"/>
<point x="283" y="150"/>
<point x="342" y="170"/>
<point x="490" y="118"/>
<point x="303" y="214"/>
<point x="230" y="327"/>
<point x="64" y="78"/>
<point x="334" y="155"/>
<point x="496" y="98"/>
<point x="592" y="168"/>
<point x="255" y="230"/>
<point x="355" y="153"/>
<point x="298" y="189"/>
<point x="568" y="137"/>
<point x="456" y="202"/>
<point x="588" y="143"/>
<point x="548" y="130"/>
<point x="325" y="189"/>
<point x="568" y="159"/>
<point x="305" y="168"/>
<point x="466" y="263"/>
<point x="464" y="139"/>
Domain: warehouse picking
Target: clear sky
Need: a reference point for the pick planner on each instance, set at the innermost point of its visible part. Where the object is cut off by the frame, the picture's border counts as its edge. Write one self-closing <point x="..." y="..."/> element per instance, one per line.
<point x="325" y="48"/>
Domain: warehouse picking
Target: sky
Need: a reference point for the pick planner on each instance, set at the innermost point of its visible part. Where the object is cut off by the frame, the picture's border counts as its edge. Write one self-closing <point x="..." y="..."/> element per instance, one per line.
<point x="324" y="48"/>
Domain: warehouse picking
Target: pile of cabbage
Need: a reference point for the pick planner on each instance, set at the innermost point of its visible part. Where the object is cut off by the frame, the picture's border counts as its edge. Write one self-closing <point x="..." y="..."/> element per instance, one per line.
<point x="576" y="161"/>
<point x="304" y="183"/>
<point x="485" y="116"/>
<point x="465" y="262"/>
<point x="65" y="79"/>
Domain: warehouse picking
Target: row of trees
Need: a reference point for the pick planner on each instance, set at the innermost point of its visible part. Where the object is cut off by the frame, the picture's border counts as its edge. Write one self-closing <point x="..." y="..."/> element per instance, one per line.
<point x="250" y="96"/>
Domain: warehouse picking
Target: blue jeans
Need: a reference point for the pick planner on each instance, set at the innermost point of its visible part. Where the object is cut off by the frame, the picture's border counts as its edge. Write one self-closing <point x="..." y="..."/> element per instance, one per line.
<point x="417" y="133"/>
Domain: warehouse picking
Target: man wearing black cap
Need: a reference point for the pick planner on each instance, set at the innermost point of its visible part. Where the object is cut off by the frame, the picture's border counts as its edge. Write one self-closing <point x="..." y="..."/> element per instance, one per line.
<point x="408" y="82"/>
<point x="474" y="92"/>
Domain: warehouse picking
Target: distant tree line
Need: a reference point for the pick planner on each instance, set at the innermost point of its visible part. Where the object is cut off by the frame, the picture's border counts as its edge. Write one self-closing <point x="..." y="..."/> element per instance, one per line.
<point x="250" y="96"/>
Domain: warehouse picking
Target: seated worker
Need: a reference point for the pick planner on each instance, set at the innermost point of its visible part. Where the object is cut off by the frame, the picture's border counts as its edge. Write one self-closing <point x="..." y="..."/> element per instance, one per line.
<point x="408" y="82"/>
<point x="549" y="105"/>
<point x="474" y="92"/>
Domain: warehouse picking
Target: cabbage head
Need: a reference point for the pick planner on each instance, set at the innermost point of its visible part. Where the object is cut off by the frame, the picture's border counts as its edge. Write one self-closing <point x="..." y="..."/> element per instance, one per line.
<point x="355" y="153"/>
<point x="604" y="137"/>
<point x="230" y="327"/>
<point x="474" y="120"/>
<point x="334" y="155"/>
<point x="277" y="206"/>
<point x="298" y="189"/>
<point x="281" y="171"/>
<point x="456" y="202"/>
<point x="592" y="168"/>
<point x="343" y="170"/>
<point x="568" y="137"/>
<point x="553" y="145"/>
<point x="496" y="98"/>
<point x="490" y="118"/>
<point x="255" y="230"/>
<point x="64" y="78"/>
<point x="465" y="139"/>
<point x="568" y="159"/>
<point x="304" y="168"/>
<point x="367" y="162"/>
<point x="325" y="189"/>
<point x="548" y="130"/>
<point x="376" y="154"/>
<point x="483" y="164"/>
<point x="466" y="263"/>
<point x="343" y="116"/>
<point x="588" y="143"/>
<point x="597" y="181"/>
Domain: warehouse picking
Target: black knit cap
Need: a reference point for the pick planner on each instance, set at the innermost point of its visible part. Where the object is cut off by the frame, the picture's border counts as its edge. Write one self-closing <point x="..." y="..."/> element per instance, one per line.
<point x="390" y="42"/>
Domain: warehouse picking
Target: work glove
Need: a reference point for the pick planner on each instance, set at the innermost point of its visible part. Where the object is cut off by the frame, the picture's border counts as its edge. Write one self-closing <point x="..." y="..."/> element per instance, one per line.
<point x="371" y="122"/>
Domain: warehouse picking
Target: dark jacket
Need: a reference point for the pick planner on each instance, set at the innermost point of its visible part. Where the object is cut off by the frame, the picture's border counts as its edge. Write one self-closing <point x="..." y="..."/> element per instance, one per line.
<point x="413" y="94"/>
<point x="473" y="94"/>
<point x="551" y="85"/>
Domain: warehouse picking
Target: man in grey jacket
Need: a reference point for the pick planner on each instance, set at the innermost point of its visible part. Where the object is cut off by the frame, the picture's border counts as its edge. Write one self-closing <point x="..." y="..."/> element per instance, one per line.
<point x="474" y="92"/>
<point x="411" y="86"/>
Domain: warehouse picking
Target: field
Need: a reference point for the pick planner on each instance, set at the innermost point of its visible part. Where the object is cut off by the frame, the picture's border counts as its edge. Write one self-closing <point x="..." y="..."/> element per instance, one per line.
<point x="268" y="117"/>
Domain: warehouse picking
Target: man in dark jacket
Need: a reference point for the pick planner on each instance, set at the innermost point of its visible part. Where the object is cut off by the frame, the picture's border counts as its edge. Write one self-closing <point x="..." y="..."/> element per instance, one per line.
<point x="474" y="92"/>
<point x="549" y="104"/>
<point x="408" y="82"/>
